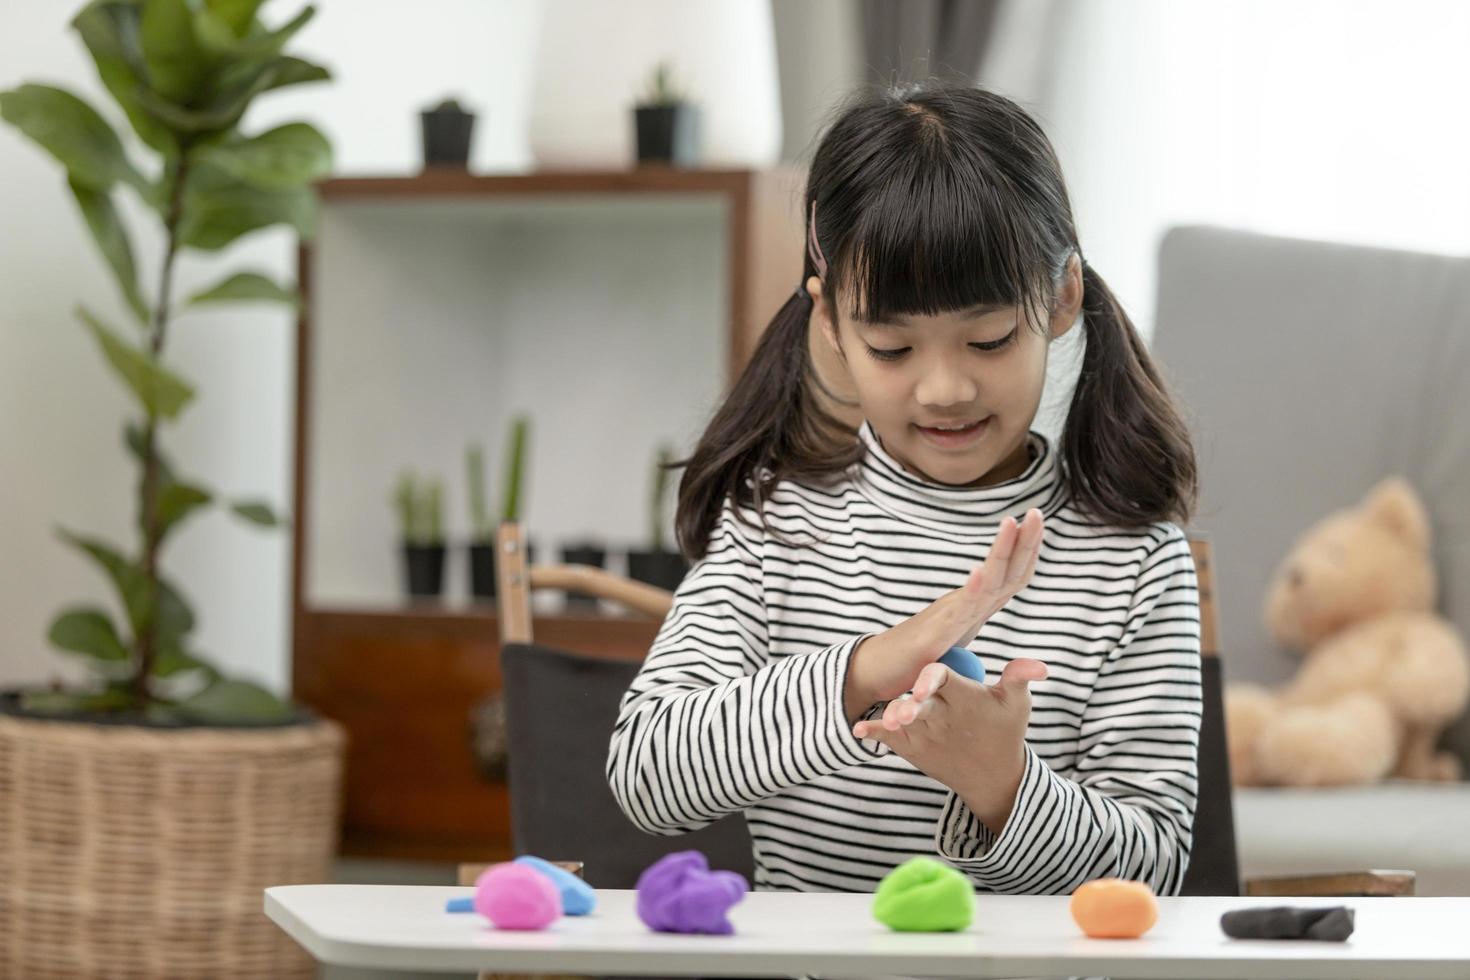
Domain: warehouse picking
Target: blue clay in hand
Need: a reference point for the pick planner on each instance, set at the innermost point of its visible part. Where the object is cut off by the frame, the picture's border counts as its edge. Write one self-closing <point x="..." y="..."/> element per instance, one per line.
<point x="964" y="663"/>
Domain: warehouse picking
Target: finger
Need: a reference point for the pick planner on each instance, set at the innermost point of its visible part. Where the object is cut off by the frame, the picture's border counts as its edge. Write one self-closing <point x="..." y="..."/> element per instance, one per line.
<point x="984" y="582"/>
<point x="875" y="731"/>
<point x="891" y="714"/>
<point x="930" y="680"/>
<point x="1035" y="552"/>
<point x="1028" y="546"/>
<point x="913" y="712"/>
<point x="1017" y="675"/>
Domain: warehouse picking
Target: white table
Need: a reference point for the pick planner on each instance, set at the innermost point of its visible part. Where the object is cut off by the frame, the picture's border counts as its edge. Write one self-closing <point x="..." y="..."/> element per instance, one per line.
<point x="406" y="928"/>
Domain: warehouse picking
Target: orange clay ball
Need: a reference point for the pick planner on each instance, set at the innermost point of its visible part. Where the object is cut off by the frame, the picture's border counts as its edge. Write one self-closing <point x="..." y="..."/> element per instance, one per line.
<point x="1111" y="908"/>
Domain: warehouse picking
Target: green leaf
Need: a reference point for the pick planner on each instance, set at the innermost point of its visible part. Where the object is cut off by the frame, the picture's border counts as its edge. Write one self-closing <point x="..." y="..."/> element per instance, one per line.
<point x="281" y="159"/>
<point x="112" y="238"/>
<point x="235" y="702"/>
<point x="173" y="660"/>
<point x="245" y="286"/>
<point x="75" y="702"/>
<point x="176" y="498"/>
<point x="72" y="132"/>
<point x="178" y="67"/>
<point x="291" y="71"/>
<point x="133" y="438"/>
<point x="239" y="83"/>
<point x="159" y="391"/>
<point x="257" y="512"/>
<point x="177" y="501"/>
<point x="173" y="614"/>
<point x="87" y="630"/>
<point x="231" y="94"/>
<point x="190" y="121"/>
<point x="515" y="466"/>
<point x="219" y="208"/>
<point x="237" y="14"/>
<point x="219" y="36"/>
<point x="109" y="29"/>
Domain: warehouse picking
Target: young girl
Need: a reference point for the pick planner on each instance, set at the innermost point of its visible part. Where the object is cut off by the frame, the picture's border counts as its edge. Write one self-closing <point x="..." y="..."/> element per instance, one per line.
<point x="795" y="679"/>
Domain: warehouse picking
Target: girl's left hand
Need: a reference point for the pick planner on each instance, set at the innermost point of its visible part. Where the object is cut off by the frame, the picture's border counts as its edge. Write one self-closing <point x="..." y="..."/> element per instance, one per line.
<point x="969" y="736"/>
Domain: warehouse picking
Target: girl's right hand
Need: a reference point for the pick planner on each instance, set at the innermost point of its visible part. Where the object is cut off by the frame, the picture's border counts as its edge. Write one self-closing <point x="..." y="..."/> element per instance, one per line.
<point x="886" y="665"/>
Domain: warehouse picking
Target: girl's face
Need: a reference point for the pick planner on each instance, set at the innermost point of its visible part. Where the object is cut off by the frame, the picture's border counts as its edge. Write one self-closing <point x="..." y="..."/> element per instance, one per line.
<point x="952" y="396"/>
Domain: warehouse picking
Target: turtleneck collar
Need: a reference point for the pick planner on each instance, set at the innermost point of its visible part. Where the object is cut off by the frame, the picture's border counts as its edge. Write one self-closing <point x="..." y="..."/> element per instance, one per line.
<point x="884" y="481"/>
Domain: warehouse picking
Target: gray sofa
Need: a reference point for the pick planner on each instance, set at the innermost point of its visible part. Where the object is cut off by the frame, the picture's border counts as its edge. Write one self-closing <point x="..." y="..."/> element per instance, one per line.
<point x="1311" y="370"/>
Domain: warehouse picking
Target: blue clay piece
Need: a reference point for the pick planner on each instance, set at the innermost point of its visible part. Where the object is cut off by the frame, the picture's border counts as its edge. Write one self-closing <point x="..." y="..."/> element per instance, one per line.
<point x="964" y="663"/>
<point x="577" y="897"/>
<point x="461" y="904"/>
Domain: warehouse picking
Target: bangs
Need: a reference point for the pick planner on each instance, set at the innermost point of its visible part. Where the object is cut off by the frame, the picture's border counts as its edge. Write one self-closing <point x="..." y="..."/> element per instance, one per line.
<point x="944" y="246"/>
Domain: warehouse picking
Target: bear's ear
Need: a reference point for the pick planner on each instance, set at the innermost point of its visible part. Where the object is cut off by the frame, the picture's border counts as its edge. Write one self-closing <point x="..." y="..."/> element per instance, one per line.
<point x="1394" y="504"/>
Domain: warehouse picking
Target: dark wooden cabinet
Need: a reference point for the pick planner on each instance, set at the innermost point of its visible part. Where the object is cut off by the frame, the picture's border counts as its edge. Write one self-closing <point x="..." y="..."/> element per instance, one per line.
<point x="405" y="685"/>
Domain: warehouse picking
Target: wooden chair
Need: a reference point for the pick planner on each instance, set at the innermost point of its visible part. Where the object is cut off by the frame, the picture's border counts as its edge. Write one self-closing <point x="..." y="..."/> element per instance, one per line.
<point x="559" y="711"/>
<point x="558" y="789"/>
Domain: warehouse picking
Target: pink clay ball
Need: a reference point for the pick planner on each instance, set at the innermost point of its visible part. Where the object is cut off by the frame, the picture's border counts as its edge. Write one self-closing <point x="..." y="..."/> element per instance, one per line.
<point x="515" y="896"/>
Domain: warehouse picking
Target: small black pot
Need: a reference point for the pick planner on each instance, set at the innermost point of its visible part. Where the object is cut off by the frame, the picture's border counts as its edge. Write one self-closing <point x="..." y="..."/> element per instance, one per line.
<point x="446" y="136"/>
<point x="668" y="134"/>
<point x="585" y="553"/>
<point x="423" y="566"/>
<point x="665" y="569"/>
<point x="482" y="568"/>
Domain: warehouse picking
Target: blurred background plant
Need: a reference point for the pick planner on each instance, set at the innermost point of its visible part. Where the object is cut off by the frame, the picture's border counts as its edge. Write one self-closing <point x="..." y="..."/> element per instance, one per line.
<point x="183" y="74"/>
<point x="661" y="89"/>
<point x="420" y="504"/>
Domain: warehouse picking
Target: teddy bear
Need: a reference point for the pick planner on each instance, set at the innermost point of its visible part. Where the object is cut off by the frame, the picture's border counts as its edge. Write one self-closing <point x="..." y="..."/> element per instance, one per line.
<point x="1382" y="675"/>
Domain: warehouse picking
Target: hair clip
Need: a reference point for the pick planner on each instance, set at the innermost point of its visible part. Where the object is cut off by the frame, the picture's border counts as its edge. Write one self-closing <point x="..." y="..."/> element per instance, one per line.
<point x="813" y="249"/>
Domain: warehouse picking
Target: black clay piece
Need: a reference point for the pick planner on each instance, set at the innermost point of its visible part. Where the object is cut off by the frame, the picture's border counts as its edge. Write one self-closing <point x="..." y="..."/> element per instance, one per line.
<point x="1332" y="924"/>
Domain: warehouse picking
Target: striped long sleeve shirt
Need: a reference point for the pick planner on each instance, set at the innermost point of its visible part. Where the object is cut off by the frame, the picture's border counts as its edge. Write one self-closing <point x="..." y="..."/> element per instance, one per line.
<point x="740" y="703"/>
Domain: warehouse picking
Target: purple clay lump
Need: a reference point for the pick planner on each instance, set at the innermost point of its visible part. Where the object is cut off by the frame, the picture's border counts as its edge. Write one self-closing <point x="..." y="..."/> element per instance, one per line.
<point x="679" y="893"/>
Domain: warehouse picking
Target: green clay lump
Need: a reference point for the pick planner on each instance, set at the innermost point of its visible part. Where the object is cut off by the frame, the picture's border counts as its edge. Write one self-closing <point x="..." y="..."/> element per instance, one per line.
<point x="925" y="895"/>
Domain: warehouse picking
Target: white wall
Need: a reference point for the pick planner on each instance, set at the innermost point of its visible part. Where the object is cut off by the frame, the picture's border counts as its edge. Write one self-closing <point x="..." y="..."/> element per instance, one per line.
<point x="61" y="412"/>
<point x="1327" y="119"/>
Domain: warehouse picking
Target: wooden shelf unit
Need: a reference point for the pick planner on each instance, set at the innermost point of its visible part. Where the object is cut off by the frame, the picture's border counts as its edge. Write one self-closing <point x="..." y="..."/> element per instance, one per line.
<point x="403" y="680"/>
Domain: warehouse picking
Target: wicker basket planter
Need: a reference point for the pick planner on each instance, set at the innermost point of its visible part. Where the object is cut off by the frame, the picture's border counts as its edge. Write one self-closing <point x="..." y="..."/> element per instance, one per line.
<point x="128" y="851"/>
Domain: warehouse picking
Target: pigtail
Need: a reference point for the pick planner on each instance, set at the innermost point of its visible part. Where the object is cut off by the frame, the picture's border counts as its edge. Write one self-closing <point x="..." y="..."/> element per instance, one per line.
<point x="772" y="426"/>
<point x="1127" y="452"/>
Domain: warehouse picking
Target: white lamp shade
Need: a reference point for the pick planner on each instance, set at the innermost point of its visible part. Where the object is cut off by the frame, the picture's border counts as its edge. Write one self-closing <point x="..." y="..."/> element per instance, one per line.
<point x="594" y="59"/>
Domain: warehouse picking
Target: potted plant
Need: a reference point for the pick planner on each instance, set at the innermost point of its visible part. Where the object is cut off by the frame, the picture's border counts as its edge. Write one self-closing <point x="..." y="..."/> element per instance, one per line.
<point x="666" y="123"/>
<point x="659" y="565"/>
<point x="162" y="780"/>
<point x="482" y="546"/>
<point x="446" y="131"/>
<point x="420" y="506"/>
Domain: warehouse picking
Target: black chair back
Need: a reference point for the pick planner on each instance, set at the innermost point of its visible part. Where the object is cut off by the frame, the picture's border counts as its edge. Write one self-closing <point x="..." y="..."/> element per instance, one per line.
<point x="560" y="709"/>
<point x="1213" y="867"/>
